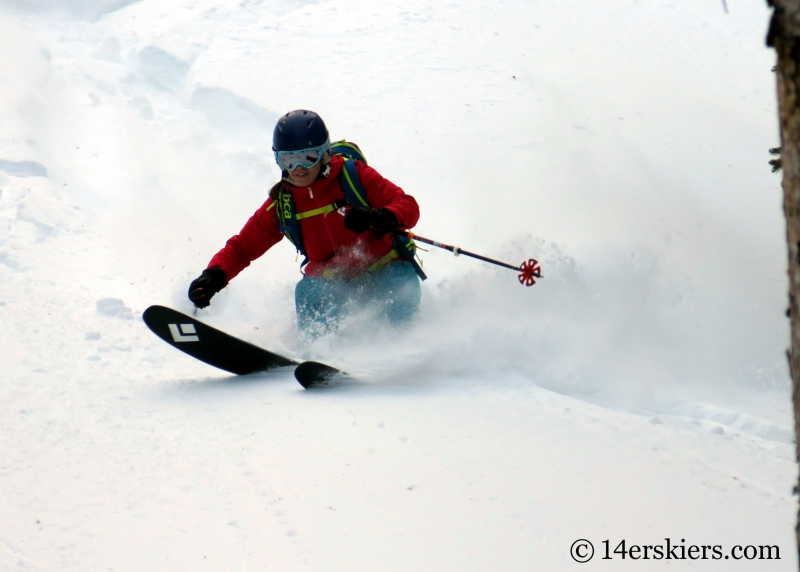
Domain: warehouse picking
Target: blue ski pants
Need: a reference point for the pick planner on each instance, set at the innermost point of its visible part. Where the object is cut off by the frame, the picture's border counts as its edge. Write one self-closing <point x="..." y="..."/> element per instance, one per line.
<point x="322" y="302"/>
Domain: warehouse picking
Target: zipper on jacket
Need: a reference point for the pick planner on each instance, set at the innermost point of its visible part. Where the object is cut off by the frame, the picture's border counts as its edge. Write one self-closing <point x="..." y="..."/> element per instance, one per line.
<point x="310" y="192"/>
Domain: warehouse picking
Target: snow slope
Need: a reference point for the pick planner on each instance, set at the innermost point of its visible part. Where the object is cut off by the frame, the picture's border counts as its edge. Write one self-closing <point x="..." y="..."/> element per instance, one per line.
<point x="638" y="392"/>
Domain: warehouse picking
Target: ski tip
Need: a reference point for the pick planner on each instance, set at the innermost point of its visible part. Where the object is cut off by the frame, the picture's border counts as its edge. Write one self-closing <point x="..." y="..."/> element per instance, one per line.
<point x="149" y="311"/>
<point x="152" y="312"/>
<point x="312" y="374"/>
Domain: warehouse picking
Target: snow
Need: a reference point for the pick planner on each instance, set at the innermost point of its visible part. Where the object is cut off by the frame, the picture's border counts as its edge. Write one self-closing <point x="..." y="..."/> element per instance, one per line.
<point x="639" y="391"/>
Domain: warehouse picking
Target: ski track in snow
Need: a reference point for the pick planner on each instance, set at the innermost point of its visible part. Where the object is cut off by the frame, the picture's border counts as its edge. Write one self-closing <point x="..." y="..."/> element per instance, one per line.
<point x="639" y="391"/>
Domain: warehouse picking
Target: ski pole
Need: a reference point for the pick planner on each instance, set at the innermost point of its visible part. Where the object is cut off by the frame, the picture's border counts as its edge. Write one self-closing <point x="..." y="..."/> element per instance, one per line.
<point x="528" y="270"/>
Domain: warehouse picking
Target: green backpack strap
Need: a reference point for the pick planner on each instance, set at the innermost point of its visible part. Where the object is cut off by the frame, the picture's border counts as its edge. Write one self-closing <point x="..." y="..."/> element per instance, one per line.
<point x="354" y="193"/>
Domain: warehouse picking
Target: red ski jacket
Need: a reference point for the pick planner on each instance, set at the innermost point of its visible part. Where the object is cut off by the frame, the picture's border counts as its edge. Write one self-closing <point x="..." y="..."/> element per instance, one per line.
<point x="332" y="249"/>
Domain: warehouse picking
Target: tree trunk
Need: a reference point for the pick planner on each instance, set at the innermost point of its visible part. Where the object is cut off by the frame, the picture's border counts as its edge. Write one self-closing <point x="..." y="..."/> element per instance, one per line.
<point x="784" y="36"/>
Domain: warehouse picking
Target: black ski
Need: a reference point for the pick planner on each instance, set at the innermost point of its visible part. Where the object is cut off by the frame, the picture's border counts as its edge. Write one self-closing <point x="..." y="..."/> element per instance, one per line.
<point x="312" y="374"/>
<point x="210" y="345"/>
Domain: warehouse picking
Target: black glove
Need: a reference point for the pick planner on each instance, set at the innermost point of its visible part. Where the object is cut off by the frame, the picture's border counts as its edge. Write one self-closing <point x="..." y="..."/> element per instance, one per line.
<point x="211" y="281"/>
<point x="380" y="221"/>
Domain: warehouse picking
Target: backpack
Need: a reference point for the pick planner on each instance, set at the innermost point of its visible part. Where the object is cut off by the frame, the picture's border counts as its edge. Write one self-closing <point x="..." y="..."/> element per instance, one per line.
<point x="355" y="196"/>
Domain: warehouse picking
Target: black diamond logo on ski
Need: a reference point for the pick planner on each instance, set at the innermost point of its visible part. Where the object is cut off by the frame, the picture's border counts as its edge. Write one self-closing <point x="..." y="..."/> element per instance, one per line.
<point x="183" y="333"/>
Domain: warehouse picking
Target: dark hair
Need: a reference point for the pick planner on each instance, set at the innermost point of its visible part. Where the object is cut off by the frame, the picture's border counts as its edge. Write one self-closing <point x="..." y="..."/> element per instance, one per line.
<point x="275" y="191"/>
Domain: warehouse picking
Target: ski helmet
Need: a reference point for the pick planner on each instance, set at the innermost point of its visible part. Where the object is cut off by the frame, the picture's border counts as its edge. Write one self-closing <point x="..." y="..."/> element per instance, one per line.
<point x="299" y="129"/>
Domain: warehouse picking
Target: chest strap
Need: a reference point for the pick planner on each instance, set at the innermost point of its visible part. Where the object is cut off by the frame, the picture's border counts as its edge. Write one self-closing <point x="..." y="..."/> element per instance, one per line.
<point x="321" y="210"/>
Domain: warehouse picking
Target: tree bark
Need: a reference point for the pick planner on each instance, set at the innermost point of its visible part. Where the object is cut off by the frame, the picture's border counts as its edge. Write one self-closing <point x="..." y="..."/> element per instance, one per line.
<point x="784" y="36"/>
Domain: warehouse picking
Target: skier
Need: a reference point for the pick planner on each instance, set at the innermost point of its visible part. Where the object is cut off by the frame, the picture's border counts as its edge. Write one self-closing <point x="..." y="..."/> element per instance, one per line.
<point x="352" y="254"/>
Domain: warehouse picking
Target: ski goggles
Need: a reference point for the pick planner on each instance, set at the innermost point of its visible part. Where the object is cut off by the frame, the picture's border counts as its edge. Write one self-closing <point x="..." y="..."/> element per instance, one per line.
<point x="290" y="160"/>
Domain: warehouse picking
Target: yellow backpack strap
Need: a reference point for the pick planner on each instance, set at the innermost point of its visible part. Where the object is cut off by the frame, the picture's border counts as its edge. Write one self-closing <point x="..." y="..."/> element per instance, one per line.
<point x="393" y="254"/>
<point x="321" y="210"/>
